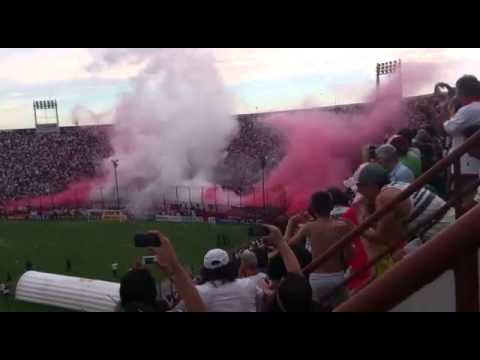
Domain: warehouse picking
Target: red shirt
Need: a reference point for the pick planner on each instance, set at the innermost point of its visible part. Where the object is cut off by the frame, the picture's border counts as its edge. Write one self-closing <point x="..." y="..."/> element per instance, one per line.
<point x="360" y="256"/>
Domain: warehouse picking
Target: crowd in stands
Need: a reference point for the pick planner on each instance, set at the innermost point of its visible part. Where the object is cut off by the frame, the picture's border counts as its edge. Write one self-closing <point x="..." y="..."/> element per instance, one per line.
<point x="266" y="275"/>
<point x="33" y="164"/>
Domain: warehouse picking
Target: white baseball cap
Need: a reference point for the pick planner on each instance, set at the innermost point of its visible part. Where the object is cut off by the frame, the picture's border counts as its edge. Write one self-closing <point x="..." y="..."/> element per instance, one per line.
<point x="215" y="258"/>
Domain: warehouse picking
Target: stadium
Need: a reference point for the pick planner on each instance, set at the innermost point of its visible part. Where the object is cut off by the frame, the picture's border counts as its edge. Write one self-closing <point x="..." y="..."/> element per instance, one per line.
<point x="69" y="209"/>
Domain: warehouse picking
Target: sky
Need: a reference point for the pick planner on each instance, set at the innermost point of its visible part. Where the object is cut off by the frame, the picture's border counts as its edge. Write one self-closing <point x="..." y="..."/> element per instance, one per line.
<point x="259" y="79"/>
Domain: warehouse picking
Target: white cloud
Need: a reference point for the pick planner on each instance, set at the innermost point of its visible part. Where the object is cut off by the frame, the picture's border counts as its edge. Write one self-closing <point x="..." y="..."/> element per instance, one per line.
<point x="349" y="73"/>
<point x="43" y="66"/>
<point x="236" y="66"/>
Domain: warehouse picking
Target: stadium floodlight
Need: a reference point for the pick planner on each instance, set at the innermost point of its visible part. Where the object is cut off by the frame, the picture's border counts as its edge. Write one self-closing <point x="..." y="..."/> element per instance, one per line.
<point x="115" y="166"/>
<point x="45" y="106"/>
<point x="388" y="68"/>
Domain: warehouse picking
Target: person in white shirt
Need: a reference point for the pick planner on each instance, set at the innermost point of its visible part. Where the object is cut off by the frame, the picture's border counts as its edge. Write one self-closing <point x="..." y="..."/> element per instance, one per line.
<point x="465" y="114"/>
<point x="249" y="270"/>
<point x="249" y="266"/>
<point x="221" y="290"/>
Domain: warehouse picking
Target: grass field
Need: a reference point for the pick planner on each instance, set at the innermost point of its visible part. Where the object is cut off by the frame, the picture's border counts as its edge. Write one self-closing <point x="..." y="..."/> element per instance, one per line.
<point x="92" y="247"/>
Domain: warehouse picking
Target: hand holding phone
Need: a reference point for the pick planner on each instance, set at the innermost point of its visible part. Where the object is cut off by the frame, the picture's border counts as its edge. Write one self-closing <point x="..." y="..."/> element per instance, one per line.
<point x="258" y="230"/>
<point x="150" y="239"/>
<point x="148" y="260"/>
<point x="165" y="256"/>
<point x="274" y="236"/>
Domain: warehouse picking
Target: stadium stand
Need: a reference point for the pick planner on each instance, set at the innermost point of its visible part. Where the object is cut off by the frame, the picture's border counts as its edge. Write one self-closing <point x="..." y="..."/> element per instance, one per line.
<point x="34" y="164"/>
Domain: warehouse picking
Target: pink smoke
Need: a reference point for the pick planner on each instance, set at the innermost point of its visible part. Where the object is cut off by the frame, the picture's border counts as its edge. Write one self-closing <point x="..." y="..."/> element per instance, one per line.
<point x="323" y="148"/>
<point x="77" y="193"/>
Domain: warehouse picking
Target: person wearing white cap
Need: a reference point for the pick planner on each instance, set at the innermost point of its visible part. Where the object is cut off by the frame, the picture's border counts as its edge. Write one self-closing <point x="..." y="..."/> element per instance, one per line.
<point x="221" y="290"/>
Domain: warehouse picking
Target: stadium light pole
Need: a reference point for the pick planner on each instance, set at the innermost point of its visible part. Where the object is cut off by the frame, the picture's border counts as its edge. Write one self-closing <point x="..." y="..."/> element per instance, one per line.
<point x="115" y="166"/>
<point x="263" y="164"/>
<point x="388" y="68"/>
<point x="101" y="197"/>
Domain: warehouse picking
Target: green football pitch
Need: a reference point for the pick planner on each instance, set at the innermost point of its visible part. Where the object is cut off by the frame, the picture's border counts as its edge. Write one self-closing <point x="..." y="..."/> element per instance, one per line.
<point x="92" y="247"/>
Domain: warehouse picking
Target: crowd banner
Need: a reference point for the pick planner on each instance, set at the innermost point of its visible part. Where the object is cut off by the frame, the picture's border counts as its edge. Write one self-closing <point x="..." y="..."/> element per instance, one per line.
<point x="114" y="215"/>
<point x="18" y="217"/>
<point x="178" y="219"/>
<point x="168" y="218"/>
<point x="228" y="221"/>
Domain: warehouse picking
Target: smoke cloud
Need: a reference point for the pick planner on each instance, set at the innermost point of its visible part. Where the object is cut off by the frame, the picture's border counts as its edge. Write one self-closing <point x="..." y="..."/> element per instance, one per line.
<point x="172" y="128"/>
<point x="324" y="147"/>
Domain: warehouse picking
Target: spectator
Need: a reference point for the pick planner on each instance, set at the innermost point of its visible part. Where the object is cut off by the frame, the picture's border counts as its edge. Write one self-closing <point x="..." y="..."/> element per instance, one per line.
<point x="360" y="210"/>
<point x="340" y="202"/>
<point x="395" y="228"/>
<point x="407" y="157"/>
<point x="167" y="262"/>
<point x="323" y="232"/>
<point x="138" y="292"/>
<point x="249" y="269"/>
<point x="262" y="258"/>
<point x="249" y="266"/>
<point x="360" y="256"/>
<point x="221" y="290"/>
<point x="467" y="116"/>
<point x="293" y="293"/>
<point x="431" y="153"/>
<point x="387" y="156"/>
<point x="276" y="268"/>
<point x="138" y="289"/>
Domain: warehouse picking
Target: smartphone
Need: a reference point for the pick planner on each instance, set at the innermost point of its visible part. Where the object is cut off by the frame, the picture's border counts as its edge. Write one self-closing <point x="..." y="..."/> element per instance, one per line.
<point x="148" y="260"/>
<point x="258" y="230"/>
<point x="147" y="240"/>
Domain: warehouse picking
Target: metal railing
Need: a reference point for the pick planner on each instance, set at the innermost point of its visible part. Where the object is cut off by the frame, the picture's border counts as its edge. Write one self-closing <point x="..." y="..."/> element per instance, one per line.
<point x="420" y="228"/>
<point x="440" y="254"/>
<point x="462" y="272"/>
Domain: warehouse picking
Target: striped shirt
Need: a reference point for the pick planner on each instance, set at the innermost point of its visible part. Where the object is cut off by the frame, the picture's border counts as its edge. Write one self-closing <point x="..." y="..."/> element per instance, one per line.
<point x="424" y="204"/>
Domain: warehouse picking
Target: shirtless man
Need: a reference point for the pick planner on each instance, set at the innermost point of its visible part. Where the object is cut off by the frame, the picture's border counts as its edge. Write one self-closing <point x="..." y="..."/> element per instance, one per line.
<point x="397" y="226"/>
<point x="323" y="232"/>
